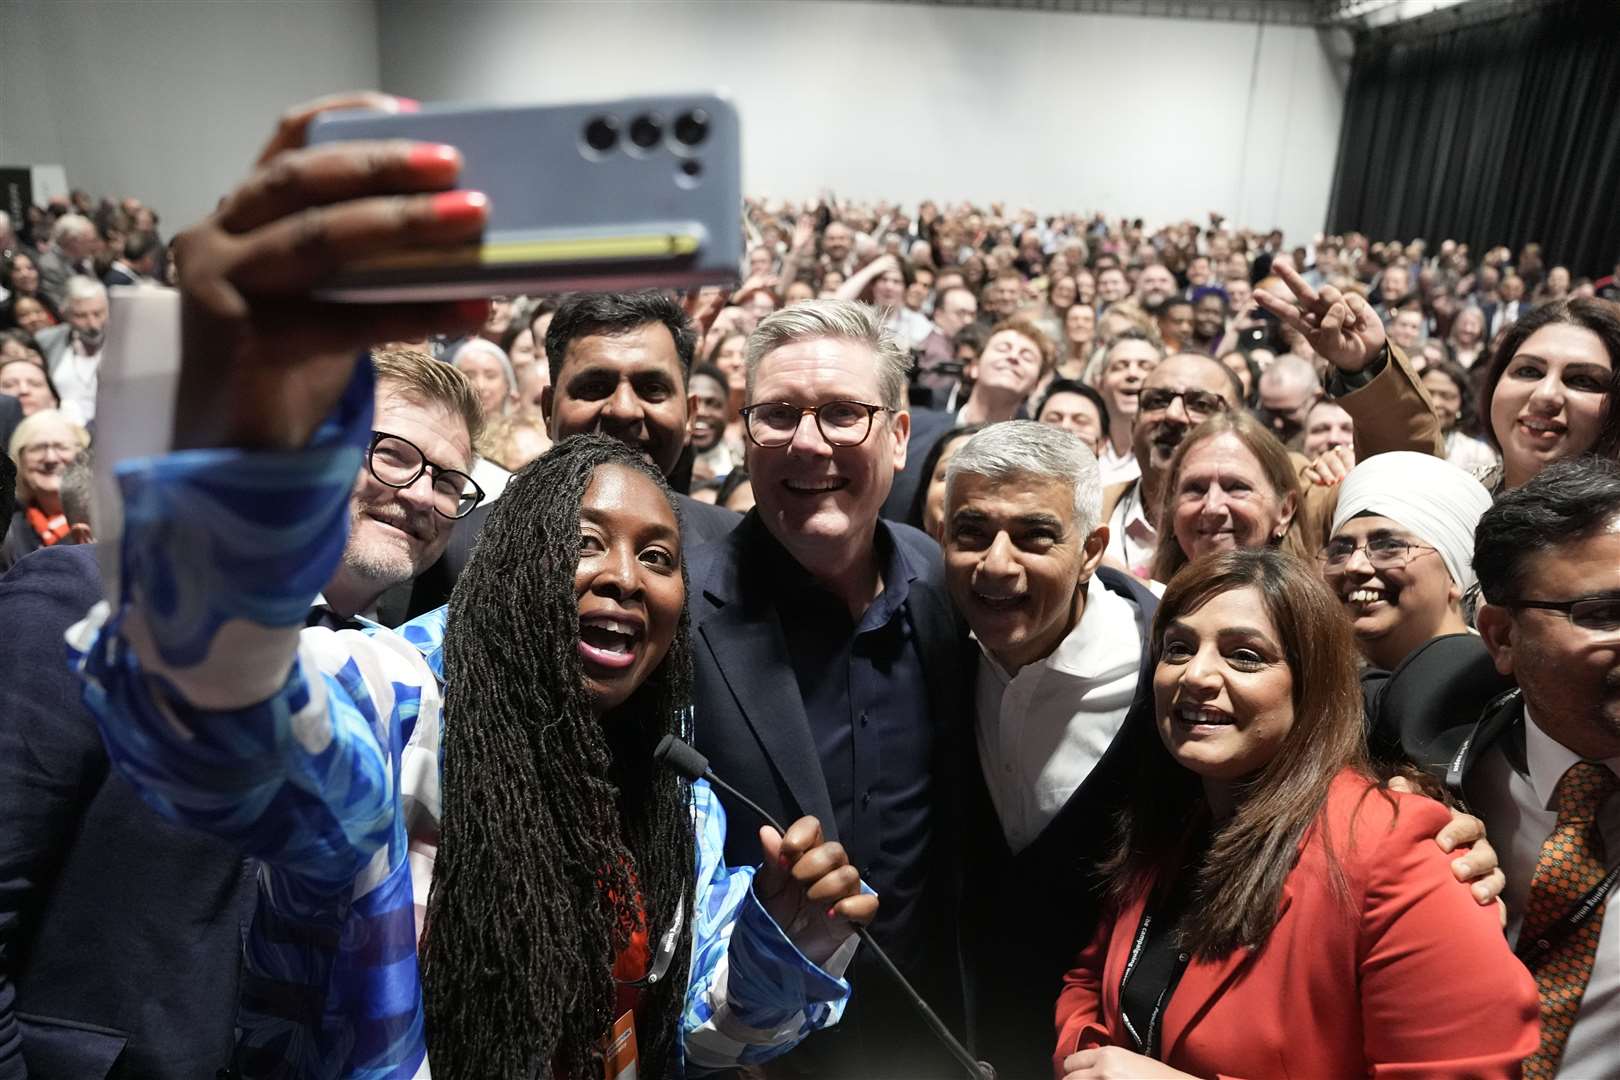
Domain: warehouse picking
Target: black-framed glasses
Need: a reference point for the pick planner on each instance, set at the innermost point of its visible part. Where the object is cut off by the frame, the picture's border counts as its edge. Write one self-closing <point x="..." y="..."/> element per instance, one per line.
<point x="398" y="462"/>
<point x="772" y="424"/>
<point x="1383" y="552"/>
<point x="1600" y="613"/>
<point x="1200" y="404"/>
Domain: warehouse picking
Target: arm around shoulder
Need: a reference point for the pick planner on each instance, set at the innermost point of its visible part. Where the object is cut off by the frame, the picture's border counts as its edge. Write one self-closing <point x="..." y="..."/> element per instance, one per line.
<point x="1441" y="992"/>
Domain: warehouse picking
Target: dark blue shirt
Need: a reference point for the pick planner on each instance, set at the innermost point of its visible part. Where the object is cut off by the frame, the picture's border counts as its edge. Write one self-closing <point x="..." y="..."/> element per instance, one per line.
<point x="867" y="700"/>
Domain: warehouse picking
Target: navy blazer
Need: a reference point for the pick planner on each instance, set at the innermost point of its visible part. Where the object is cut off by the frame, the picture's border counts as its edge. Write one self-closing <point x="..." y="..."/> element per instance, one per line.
<point x="1027" y="916"/>
<point x="120" y="934"/>
<point x="751" y="723"/>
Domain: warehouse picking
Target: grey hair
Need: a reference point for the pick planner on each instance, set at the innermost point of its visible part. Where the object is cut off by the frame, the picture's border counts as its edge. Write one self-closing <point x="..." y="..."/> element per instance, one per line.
<point x="846" y="320"/>
<point x="1026" y="448"/>
<point x="71" y="224"/>
<point x="1292" y="371"/>
<point x="78" y="486"/>
<point x="80" y="287"/>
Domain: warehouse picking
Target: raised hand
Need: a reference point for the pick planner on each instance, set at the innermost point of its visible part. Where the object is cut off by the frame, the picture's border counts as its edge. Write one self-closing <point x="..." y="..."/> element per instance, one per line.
<point x="1342" y="327"/>
<point x="262" y="363"/>
<point x="809" y="887"/>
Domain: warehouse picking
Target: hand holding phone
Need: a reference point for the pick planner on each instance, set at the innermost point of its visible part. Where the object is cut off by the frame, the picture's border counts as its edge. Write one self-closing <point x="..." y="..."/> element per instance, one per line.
<point x="262" y="363"/>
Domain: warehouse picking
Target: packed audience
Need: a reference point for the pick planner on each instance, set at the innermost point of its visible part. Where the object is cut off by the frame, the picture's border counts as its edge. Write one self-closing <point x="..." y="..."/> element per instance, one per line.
<point x="1186" y="653"/>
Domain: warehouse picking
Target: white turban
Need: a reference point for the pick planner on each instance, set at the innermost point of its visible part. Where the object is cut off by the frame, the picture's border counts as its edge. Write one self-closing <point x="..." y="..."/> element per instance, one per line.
<point x="1431" y="498"/>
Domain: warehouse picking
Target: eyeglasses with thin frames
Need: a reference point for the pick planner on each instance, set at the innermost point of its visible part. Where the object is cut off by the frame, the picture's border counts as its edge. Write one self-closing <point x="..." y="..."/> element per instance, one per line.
<point x="1383" y="553"/>
<point x="773" y="424"/>
<point x="398" y="463"/>
<point x="1600" y="614"/>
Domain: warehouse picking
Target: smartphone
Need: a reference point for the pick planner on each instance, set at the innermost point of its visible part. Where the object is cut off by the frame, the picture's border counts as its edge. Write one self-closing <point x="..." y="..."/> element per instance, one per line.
<point x="604" y="196"/>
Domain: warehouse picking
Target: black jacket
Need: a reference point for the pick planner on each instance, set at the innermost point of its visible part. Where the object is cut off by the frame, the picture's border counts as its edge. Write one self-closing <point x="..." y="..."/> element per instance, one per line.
<point x="120" y="934"/>
<point x="751" y="723"/>
<point x="1027" y="916"/>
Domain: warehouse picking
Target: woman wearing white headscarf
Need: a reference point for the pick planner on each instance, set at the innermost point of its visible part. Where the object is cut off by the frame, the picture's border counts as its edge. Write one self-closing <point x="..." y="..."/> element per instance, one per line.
<point x="1400" y="557"/>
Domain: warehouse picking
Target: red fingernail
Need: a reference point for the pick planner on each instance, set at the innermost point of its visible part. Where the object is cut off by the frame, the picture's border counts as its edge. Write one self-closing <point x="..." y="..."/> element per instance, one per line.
<point x="472" y="310"/>
<point x="460" y="207"/>
<point x="433" y="157"/>
<point x="782" y="860"/>
<point x="832" y="913"/>
<point x="406" y="104"/>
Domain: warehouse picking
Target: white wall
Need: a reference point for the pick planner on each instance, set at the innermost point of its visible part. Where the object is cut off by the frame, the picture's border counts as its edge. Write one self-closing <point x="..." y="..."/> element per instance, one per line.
<point x="168" y="101"/>
<point x="1149" y="117"/>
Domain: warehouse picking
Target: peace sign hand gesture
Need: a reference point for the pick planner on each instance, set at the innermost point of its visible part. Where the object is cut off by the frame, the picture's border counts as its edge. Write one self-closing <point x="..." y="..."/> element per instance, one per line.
<point x="1342" y="327"/>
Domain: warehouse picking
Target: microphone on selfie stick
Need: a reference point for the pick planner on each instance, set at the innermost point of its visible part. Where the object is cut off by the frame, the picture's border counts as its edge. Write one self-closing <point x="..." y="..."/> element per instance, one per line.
<point x="680" y="756"/>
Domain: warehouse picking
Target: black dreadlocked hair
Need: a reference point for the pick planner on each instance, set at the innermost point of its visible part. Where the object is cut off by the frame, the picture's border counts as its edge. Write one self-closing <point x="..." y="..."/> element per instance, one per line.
<point x="555" y="823"/>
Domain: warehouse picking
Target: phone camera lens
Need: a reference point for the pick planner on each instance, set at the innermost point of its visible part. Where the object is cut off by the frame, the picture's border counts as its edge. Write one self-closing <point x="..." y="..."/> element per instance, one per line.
<point x="601" y="134"/>
<point x="645" y="131"/>
<point x="691" y="128"/>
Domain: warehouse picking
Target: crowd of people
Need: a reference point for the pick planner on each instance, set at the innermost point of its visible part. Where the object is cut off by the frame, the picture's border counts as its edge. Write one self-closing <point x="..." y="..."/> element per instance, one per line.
<point x="1188" y="654"/>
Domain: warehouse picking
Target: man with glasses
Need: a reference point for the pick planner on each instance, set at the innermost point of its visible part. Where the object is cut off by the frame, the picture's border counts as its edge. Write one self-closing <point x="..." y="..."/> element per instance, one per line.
<point x="414" y="486"/>
<point x="1179" y="393"/>
<point x="1540" y="763"/>
<point x="829" y="662"/>
<point x="1372" y="381"/>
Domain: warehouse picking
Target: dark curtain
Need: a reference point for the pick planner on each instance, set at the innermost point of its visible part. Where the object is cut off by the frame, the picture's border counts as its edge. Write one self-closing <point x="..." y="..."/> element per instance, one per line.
<point x="1505" y="132"/>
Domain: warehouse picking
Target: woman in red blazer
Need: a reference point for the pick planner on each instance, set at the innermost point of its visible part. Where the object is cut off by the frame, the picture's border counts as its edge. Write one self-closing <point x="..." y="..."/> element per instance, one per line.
<point x="1275" y="912"/>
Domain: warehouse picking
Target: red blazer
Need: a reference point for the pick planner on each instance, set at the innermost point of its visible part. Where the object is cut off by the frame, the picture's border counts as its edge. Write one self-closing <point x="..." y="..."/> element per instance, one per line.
<point x="1413" y="979"/>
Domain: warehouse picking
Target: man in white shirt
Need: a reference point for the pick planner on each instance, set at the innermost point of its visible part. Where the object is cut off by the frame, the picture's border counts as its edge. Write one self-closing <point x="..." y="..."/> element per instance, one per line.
<point x="73" y="349"/>
<point x="1061" y="649"/>
<point x="1543" y="769"/>
<point x="1181" y="392"/>
<point x="1126" y="364"/>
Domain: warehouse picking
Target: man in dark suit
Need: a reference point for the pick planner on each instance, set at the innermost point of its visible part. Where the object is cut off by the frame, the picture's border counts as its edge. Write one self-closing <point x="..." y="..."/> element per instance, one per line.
<point x="1540" y="762"/>
<point x="829" y="665"/>
<point x="73" y="241"/>
<point x="1062" y="657"/>
<point x="120" y="934"/>
<point x="619" y="365"/>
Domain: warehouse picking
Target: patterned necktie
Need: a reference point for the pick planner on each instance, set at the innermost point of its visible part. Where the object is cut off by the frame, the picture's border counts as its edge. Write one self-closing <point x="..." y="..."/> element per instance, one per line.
<point x="1571" y="864"/>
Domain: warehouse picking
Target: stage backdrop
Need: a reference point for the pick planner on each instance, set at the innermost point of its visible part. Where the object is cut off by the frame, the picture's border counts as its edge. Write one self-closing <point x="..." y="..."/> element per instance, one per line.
<point x="1504" y="132"/>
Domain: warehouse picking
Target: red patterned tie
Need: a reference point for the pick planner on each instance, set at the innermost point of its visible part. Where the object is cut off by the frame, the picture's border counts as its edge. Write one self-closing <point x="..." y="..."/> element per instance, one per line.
<point x="1571" y="864"/>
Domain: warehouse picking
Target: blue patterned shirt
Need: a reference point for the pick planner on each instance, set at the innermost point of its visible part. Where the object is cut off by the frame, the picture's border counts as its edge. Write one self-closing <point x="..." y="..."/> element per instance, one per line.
<point x="316" y="751"/>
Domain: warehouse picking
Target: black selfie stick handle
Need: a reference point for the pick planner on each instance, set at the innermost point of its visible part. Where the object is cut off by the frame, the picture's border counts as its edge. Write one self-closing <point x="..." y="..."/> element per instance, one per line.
<point x="681" y="757"/>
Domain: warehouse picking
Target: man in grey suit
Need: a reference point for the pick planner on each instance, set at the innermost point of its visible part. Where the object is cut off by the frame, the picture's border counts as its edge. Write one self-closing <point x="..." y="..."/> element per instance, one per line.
<point x="73" y="349"/>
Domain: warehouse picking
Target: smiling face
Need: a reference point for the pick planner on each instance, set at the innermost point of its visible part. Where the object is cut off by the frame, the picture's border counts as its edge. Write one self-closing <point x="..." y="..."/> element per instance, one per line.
<point x="1223" y="499"/>
<point x="30" y="314"/>
<point x="731" y="358"/>
<point x="1015" y="562"/>
<point x="821" y="501"/>
<point x="1222" y="689"/>
<point x="1009" y="366"/>
<point x="627" y="386"/>
<point x="628" y="583"/>
<point x="1156" y="434"/>
<point x="1209" y="318"/>
<point x="1550" y="401"/>
<point x="1444" y="396"/>
<point x="1111" y="285"/>
<point x="1392" y="610"/>
<point x="708" y="411"/>
<point x="1128" y="365"/>
<point x="1080" y="325"/>
<point x="51" y="448"/>
<point x="395" y="533"/>
<point x="24" y="274"/>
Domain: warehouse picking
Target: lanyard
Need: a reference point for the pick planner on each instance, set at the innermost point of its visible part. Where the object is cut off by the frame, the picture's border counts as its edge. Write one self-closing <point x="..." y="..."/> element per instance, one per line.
<point x="1534" y="952"/>
<point x="1149" y="1044"/>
